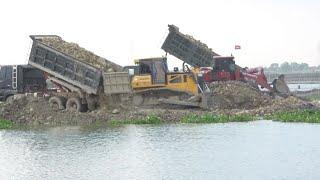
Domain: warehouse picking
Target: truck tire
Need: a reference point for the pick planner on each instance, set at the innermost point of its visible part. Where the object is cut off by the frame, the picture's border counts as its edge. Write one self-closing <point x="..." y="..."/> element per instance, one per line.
<point x="74" y="104"/>
<point x="57" y="102"/>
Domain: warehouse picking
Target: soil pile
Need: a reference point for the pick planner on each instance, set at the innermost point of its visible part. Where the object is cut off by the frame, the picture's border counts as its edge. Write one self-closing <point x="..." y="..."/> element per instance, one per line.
<point x="79" y="53"/>
<point x="35" y="111"/>
<point x="237" y="95"/>
<point x="230" y="98"/>
<point x="276" y="105"/>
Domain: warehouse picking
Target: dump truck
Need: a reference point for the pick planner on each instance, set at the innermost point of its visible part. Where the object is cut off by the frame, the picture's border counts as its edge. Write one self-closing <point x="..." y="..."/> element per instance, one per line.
<point x="80" y="75"/>
<point x="199" y="55"/>
<point x="20" y="79"/>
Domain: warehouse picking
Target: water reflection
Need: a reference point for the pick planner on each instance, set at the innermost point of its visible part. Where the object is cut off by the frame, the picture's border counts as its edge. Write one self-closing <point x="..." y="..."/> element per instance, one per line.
<point x="255" y="150"/>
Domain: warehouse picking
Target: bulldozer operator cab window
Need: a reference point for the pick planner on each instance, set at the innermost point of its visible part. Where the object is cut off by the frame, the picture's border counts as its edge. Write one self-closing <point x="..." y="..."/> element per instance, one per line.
<point x="175" y="79"/>
<point x="145" y="68"/>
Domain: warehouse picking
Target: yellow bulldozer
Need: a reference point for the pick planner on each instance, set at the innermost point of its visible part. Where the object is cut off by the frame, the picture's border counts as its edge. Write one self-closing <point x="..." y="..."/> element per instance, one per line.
<point x="152" y="82"/>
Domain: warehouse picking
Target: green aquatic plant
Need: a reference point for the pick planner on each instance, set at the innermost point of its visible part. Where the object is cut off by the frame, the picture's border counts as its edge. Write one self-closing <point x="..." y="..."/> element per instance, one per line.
<point x="305" y="115"/>
<point x="5" y="124"/>
<point x="211" y="118"/>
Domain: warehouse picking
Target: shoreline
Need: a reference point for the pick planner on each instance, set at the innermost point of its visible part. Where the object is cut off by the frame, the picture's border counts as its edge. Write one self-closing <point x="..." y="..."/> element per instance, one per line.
<point x="205" y="117"/>
<point x="31" y="111"/>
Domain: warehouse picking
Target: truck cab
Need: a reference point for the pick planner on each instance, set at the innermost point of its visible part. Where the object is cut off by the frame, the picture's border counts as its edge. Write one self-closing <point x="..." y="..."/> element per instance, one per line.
<point x="20" y="79"/>
<point x="6" y="89"/>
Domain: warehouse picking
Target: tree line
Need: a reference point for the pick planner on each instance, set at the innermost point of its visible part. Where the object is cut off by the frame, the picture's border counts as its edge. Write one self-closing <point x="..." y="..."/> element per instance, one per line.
<point x="293" y="67"/>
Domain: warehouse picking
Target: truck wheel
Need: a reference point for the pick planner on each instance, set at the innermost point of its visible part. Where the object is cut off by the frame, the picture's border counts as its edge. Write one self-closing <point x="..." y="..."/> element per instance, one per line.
<point x="57" y="102"/>
<point x="74" y="104"/>
<point x="9" y="99"/>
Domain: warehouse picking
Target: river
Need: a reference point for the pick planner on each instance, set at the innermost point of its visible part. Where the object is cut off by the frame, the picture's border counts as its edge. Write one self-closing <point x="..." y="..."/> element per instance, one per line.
<point x="303" y="87"/>
<point x="254" y="150"/>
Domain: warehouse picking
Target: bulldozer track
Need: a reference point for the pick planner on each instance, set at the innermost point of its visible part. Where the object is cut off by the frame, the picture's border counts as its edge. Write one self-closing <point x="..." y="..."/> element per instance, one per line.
<point x="147" y="97"/>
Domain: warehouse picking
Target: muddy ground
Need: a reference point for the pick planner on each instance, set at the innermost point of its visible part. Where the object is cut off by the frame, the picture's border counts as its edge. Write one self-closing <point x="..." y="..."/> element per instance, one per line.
<point x="36" y="111"/>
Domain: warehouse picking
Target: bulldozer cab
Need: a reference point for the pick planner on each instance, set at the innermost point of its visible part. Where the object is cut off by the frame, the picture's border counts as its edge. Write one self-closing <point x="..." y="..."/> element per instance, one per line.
<point x="156" y="67"/>
<point x="153" y="73"/>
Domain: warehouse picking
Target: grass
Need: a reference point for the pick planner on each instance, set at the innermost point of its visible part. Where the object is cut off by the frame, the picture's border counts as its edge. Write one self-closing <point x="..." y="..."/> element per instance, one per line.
<point x="206" y="118"/>
<point x="150" y="119"/>
<point x="308" y="116"/>
<point x="5" y="124"/>
<point x="210" y="118"/>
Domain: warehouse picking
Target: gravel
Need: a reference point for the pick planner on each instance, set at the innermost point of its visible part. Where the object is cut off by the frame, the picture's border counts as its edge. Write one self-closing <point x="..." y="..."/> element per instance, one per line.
<point x="81" y="54"/>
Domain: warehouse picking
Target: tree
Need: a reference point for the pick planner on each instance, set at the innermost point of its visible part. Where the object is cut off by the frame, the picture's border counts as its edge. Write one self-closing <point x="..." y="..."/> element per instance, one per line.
<point x="285" y="67"/>
<point x="295" y="66"/>
<point x="304" y="67"/>
<point x="274" y="66"/>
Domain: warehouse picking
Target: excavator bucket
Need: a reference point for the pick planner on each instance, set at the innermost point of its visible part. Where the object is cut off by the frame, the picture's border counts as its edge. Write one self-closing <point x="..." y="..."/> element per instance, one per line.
<point x="280" y="86"/>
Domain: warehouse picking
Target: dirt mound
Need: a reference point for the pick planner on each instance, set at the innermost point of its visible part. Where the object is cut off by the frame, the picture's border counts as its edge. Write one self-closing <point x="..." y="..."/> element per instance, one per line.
<point x="237" y="95"/>
<point x="276" y="105"/>
<point x="36" y="111"/>
<point x="29" y="110"/>
<point x="81" y="54"/>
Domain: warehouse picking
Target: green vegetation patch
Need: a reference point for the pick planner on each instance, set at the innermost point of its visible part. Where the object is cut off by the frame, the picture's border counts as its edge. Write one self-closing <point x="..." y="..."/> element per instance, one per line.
<point x="210" y="118"/>
<point x="307" y="115"/>
<point x="150" y="119"/>
<point x="5" y="124"/>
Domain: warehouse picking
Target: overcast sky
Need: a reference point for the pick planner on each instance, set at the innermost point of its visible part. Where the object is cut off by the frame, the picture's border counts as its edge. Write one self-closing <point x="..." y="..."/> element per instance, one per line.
<point x="268" y="31"/>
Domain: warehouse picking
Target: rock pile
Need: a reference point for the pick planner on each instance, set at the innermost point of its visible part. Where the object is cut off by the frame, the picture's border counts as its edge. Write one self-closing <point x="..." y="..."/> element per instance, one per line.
<point x="79" y="53"/>
<point x="237" y="95"/>
<point x="229" y="98"/>
<point x="35" y="111"/>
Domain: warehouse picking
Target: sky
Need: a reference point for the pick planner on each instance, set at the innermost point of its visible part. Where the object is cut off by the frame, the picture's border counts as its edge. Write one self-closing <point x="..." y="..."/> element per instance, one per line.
<point x="268" y="32"/>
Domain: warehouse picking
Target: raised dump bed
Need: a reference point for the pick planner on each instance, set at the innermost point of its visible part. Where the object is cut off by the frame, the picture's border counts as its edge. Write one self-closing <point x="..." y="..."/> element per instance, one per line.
<point x="188" y="49"/>
<point x="60" y="64"/>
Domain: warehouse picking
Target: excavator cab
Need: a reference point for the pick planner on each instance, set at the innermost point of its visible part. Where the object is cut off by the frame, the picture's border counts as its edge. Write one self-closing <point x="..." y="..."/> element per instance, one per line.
<point x="224" y="68"/>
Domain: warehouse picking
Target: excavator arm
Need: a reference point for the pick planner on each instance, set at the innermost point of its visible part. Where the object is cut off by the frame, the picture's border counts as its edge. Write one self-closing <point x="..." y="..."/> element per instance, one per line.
<point x="256" y="76"/>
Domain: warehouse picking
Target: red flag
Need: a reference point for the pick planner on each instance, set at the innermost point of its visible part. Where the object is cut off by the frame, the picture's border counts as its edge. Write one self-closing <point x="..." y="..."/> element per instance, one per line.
<point x="236" y="47"/>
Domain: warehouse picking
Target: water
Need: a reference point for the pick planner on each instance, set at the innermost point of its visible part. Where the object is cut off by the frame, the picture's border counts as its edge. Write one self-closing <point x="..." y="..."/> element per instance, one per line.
<point x="303" y="87"/>
<point x="254" y="150"/>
